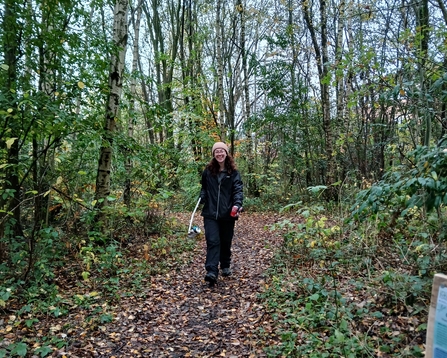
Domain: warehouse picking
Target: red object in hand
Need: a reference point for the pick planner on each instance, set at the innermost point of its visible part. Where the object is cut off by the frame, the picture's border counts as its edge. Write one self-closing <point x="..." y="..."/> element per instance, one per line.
<point x="234" y="211"/>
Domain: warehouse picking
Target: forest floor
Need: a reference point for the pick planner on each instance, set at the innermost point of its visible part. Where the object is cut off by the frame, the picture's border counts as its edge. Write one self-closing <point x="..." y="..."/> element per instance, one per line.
<point x="149" y="299"/>
<point x="176" y="313"/>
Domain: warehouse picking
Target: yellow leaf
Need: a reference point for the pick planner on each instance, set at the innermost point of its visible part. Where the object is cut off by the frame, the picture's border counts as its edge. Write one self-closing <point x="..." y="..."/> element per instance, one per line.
<point x="81" y="85"/>
<point x="59" y="180"/>
<point x="9" y="110"/>
<point x="93" y="294"/>
<point x="10" y="141"/>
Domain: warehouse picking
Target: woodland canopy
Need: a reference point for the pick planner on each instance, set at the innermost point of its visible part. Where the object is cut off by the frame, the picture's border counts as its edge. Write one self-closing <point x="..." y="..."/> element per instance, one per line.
<point x="335" y="112"/>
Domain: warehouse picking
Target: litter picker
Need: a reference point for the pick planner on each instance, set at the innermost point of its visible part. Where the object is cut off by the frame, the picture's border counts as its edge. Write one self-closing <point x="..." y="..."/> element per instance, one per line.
<point x="193" y="230"/>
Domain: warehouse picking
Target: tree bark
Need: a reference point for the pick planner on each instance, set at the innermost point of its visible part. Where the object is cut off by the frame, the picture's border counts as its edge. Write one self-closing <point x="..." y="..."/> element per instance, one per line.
<point x="220" y="69"/>
<point x="423" y="32"/>
<point x="10" y="198"/>
<point x="131" y="120"/>
<point x="113" y="102"/>
<point x="322" y="59"/>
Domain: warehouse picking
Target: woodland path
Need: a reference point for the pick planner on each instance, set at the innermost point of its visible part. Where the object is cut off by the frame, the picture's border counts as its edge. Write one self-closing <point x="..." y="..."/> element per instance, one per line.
<point x="181" y="316"/>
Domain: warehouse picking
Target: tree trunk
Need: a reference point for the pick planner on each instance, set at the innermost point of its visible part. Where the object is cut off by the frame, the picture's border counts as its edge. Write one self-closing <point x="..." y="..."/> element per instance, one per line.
<point x="423" y="32"/>
<point x="322" y="58"/>
<point x="9" y="138"/>
<point x="131" y="121"/>
<point x="220" y="69"/>
<point x="252" y="185"/>
<point x="113" y="102"/>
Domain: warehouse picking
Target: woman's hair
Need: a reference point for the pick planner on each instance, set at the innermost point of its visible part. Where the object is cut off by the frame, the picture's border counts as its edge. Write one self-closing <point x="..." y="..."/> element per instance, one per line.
<point x="214" y="167"/>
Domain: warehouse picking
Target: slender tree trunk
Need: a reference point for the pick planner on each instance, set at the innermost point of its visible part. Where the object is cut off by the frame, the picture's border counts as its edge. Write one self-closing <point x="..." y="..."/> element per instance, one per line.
<point x="339" y="86"/>
<point x="164" y="68"/>
<point x="9" y="138"/>
<point x="322" y="57"/>
<point x="252" y="186"/>
<point x="423" y="32"/>
<point x="444" y="103"/>
<point x="131" y="121"/>
<point x="113" y="102"/>
<point x="147" y="115"/>
<point x="220" y="69"/>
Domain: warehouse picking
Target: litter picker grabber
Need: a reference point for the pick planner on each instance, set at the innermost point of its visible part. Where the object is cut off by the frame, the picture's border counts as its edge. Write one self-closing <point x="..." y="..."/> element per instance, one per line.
<point x="193" y="231"/>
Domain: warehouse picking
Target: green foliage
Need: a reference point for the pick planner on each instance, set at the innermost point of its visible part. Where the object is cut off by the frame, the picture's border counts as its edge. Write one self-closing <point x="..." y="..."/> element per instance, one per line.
<point x="421" y="183"/>
<point x="331" y="282"/>
<point x="15" y="350"/>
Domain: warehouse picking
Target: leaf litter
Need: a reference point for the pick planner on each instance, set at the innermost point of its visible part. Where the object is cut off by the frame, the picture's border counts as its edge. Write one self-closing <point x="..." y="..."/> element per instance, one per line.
<point x="173" y="314"/>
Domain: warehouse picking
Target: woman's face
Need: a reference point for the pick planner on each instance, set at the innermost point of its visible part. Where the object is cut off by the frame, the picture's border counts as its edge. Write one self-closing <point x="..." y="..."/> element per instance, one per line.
<point x="220" y="155"/>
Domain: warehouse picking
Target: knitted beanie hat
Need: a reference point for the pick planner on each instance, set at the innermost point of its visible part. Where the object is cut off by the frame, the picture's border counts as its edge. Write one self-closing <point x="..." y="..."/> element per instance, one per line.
<point x="219" y="145"/>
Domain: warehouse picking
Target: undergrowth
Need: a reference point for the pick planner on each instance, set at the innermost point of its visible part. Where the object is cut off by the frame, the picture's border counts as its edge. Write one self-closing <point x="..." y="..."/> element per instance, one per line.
<point x="86" y="271"/>
<point x="351" y="289"/>
<point x="353" y="279"/>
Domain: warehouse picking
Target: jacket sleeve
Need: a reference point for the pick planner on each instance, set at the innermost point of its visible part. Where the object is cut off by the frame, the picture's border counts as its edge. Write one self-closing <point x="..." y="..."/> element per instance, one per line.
<point x="203" y="190"/>
<point x="238" y="191"/>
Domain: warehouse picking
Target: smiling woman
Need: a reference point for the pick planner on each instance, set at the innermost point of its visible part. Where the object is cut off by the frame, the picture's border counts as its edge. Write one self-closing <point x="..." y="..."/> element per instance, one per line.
<point x="222" y="189"/>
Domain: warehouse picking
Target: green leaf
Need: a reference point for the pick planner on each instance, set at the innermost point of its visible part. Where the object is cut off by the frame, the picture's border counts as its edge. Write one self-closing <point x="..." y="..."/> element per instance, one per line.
<point x="44" y="351"/>
<point x="20" y="349"/>
<point x="10" y="142"/>
<point x="340" y="337"/>
<point x="314" y="297"/>
<point x="316" y="189"/>
<point x="85" y="275"/>
<point x="377" y="314"/>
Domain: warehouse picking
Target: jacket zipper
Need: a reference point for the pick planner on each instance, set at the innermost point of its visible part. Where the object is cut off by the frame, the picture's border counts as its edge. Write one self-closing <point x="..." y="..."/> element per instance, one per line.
<point x="218" y="200"/>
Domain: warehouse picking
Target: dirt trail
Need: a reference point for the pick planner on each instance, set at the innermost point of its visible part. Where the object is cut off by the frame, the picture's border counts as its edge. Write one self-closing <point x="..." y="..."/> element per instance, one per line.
<point x="182" y="317"/>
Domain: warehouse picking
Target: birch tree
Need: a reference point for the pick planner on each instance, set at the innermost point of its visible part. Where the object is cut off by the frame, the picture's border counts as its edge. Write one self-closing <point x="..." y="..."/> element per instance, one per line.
<point x="136" y="19"/>
<point x="115" y="83"/>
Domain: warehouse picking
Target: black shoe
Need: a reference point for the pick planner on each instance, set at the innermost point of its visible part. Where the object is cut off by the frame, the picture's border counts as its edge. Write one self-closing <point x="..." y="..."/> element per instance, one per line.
<point x="211" y="278"/>
<point x="226" y="272"/>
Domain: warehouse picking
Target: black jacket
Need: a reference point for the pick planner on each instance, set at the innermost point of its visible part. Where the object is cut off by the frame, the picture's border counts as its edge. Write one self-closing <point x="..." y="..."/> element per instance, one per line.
<point x="220" y="193"/>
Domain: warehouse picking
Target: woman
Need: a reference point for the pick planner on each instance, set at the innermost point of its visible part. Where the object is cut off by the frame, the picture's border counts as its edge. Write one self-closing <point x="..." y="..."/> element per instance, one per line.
<point x="221" y="191"/>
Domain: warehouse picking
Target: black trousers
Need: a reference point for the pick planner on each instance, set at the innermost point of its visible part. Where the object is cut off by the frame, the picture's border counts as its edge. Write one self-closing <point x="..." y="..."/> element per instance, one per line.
<point x="218" y="235"/>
